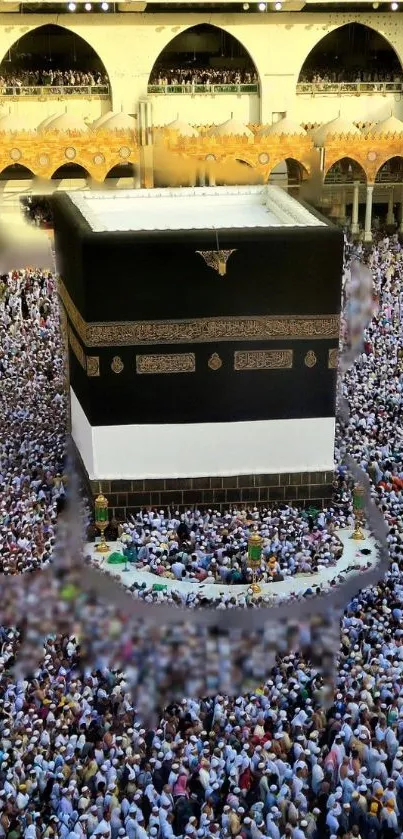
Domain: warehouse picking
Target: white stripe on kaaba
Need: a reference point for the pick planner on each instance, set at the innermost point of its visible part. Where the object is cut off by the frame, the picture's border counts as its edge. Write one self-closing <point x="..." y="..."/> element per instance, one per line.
<point x="199" y="449"/>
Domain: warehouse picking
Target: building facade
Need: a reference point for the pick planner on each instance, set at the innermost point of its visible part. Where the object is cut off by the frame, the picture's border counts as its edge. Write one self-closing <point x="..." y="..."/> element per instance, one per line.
<point x="129" y="45"/>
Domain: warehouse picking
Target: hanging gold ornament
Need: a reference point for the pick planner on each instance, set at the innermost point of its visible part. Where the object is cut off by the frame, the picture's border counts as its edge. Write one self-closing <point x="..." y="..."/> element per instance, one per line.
<point x="217" y="260"/>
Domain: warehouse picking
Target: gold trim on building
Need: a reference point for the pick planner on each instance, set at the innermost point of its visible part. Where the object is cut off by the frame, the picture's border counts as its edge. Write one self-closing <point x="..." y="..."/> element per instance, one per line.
<point x="64" y="328"/>
<point x="199" y="330"/>
<point x="310" y="359"/>
<point x="117" y="364"/>
<point x="214" y="362"/>
<point x="167" y="363"/>
<point x="263" y="359"/>
<point x="76" y="348"/>
<point x="73" y="314"/>
<point x="93" y="368"/>
<point x="333" y="359"/>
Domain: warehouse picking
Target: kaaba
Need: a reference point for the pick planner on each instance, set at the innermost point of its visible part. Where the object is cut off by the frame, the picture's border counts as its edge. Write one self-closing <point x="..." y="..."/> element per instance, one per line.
<point x="203" y="332"/>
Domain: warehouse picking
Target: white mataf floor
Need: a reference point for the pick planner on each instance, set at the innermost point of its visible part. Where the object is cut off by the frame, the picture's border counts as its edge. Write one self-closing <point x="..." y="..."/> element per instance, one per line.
<point x="278" y="591"/>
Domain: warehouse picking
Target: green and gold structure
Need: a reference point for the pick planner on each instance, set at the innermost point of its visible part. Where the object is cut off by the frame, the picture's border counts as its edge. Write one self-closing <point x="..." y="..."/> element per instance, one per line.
<point x="101" y="520"/>
<point x="255" y="547"/>
<point x="359" y="512"/>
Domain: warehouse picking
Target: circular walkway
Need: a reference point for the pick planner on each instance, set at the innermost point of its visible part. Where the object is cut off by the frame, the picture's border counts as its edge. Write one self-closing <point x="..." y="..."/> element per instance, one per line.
<point x="352" y="559"/>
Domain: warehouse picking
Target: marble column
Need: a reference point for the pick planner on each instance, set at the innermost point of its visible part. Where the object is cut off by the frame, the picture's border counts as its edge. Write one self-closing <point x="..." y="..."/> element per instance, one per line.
<point x="355" y="228"/>
<point x="368" y="214"/>
<point x="390" y="218"/>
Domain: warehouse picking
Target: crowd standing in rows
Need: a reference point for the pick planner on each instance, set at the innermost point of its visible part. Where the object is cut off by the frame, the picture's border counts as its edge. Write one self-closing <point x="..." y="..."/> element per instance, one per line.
<point x="49" y="77"/>
<point x="75" y="759"/>
<point x="330" y="75"/>
<point x="188" y="76"/>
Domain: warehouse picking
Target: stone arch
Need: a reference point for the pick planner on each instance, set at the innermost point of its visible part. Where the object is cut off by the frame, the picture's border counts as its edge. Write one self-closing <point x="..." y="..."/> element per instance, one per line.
<point x="75" y="173"/>
<point x="121" y="175"/>
<point x="16" y="180"/>
<point x="235" y="171"/>
<point x="345" y="170"/>
<point x="16" y="172"/>
<point x="79" y="45"/>
<point x="288" y="172"/>
<point x="359" y="27"/>
<point x="390" y="170"/>
<point x="213" y="29"/>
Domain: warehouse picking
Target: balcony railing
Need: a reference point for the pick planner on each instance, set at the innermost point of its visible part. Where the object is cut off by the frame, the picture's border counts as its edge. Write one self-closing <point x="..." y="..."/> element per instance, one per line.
<point x="42" y="92"/>
<point x="348" y="88"/>
<point x="389" y="178"/>
<point x="344" y="177"/>
<point x="193" y="89"/>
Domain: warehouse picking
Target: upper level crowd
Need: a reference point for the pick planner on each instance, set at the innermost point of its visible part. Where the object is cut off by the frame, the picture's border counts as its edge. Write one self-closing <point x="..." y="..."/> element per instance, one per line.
<point x="329" y="75"/>
<point x="202" y="76"/>
<point x="187" y="77"/>
<point x="51" y="78"/>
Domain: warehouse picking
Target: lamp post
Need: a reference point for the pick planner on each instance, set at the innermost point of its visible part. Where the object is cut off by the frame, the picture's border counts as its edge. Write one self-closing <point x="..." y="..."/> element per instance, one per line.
<point x="101" y="521"/>
<point x="255" y="543"/>
<point x="358" y="509"/>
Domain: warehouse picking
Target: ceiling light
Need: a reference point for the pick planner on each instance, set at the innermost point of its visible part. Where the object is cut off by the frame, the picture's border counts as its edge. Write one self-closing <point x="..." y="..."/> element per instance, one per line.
<point x="394" y="7"/>
<point x="72" y="7"/>
<point x="245" y="7"/>
<point x="88" y="7"/>
<point x="262" y="7"/>
<point x="104" y="7"/>
<point x="278" y="7"/>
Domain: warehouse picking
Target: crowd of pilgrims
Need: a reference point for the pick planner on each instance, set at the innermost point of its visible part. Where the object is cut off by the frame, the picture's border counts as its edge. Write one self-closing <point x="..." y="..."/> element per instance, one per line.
<point x="332" y="75"/>
<point x="213" y="546"/>
<point x="189" y="76"/>
<point x="75" y="759"/>
<point x="49" y="77"/>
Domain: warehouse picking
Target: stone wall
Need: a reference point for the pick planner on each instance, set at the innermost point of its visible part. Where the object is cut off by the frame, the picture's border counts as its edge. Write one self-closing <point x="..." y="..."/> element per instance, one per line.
<point x="299" y="488"/>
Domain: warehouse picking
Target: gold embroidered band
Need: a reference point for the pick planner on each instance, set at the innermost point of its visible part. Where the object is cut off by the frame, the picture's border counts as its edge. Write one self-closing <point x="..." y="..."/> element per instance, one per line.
<point x="199" y="330"/>
<point x="333" y="359"/>
<point x="93" y="365"/>
<point x="77" y="348"/>
<point x="169" y="363"/>
<point x="263" y="359"/>
<point x="89" y="363"/>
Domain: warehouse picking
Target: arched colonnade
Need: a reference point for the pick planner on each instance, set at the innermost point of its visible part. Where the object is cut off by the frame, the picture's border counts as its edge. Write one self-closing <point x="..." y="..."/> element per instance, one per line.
<point x="129" y="53"/>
